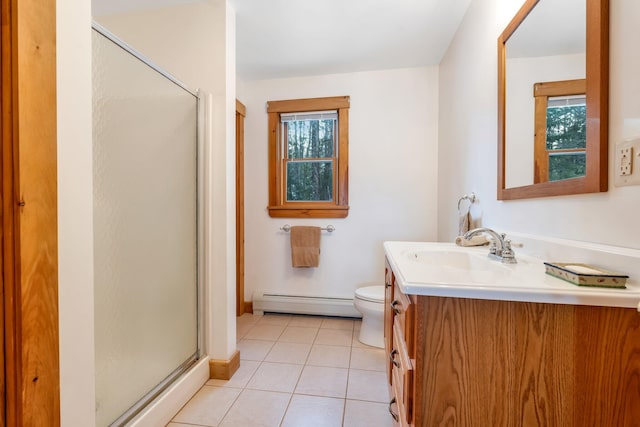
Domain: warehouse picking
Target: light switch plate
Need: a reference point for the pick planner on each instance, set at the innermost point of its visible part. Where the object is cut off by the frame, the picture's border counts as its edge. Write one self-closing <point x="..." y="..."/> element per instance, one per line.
<point x="627" y="163"/>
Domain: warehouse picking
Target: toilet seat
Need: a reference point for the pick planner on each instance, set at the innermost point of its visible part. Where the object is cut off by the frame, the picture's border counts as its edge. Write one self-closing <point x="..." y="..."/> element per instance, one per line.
<point x="371" y="293"/>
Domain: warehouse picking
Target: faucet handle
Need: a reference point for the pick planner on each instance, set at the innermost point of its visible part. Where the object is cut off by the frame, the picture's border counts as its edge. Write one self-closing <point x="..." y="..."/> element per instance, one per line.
<point x="508" y="256"/>
<point x="493" y="247"/>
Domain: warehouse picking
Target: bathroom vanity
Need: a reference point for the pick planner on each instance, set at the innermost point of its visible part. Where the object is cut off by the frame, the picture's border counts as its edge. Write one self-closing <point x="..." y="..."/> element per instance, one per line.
<point x="477" y="344"/>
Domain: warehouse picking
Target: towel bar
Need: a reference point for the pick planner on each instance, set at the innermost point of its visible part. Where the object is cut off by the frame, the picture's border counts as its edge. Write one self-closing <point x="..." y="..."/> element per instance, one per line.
<point x="330" y="228"/>
<point x="470" y="197"/>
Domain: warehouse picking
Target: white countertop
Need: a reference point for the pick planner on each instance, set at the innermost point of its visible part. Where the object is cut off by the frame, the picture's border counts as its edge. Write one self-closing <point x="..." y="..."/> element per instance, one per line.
<point x="421" y="268"/>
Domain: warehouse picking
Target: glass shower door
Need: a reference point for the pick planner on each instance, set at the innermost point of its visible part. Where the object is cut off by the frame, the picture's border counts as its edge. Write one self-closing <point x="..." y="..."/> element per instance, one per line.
<point x="145" y="229"/>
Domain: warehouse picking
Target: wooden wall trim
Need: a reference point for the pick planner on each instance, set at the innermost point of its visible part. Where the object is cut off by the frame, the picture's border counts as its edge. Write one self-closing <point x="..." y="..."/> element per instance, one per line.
<point x="248" y="307"/>
<point x="29" y="201"/>
<point x="10" y="329"/>
<point x="241" y="113"/>
<point x="224" y="369"/>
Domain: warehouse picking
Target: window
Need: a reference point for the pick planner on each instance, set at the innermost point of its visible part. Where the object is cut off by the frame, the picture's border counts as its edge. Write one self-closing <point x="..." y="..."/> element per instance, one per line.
<point x="560" y="130"/>
<point x="309" y="157"/>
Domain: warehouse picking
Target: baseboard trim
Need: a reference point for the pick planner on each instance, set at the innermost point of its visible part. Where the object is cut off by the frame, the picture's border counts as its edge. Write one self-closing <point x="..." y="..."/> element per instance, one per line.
<point x="248" y="306"/>
<point x="224" y="369"/>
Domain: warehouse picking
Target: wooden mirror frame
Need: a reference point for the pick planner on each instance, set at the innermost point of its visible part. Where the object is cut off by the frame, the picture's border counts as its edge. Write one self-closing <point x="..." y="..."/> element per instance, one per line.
<point x="597" y="76"/>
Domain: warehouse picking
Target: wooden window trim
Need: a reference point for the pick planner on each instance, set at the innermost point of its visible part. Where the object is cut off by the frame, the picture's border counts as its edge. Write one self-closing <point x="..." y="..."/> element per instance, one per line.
<point x="279" y="207"/>
<point x="542" y="92"/>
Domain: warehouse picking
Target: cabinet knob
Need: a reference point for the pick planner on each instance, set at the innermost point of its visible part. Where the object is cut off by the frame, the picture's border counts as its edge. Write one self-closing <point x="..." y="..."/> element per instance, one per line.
<point x="387" y="284"/>
<point x="395" y="309"/>
<point x="395" y="416"/>
<point x="392" y="357"/>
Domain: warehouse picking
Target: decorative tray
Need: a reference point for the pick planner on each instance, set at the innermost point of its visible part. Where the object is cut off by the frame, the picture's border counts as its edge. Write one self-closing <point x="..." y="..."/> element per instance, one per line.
<point x="586" y="275"/>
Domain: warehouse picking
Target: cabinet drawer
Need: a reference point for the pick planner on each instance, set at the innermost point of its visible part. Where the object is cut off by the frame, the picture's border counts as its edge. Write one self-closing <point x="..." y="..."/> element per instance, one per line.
<point x="402" y="374"/>
<point x="396" y="406"/>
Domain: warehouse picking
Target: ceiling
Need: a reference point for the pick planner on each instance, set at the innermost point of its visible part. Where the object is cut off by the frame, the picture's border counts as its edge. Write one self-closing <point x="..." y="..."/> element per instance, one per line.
<point x="285" y="38"/>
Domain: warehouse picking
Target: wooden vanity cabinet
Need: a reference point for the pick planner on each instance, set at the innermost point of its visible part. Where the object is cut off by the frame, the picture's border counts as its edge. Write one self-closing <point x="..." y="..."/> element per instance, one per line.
<point x="472" y="362"/>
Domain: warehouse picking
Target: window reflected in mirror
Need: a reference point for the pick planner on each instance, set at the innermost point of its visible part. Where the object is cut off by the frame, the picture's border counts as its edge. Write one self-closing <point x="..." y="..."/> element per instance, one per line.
<point x="560" y="130"/>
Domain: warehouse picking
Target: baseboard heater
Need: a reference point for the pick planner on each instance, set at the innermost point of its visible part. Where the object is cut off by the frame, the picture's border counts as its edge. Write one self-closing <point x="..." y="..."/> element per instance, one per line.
<point x="268" y="302"/>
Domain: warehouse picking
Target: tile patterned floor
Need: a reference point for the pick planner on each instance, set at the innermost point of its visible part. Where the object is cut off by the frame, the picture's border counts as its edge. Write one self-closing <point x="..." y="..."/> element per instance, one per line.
<point x="296" y="371"/>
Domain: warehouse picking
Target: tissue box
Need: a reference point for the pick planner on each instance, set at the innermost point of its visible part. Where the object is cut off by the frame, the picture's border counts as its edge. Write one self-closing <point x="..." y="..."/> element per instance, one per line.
<point x="586" y="275"/>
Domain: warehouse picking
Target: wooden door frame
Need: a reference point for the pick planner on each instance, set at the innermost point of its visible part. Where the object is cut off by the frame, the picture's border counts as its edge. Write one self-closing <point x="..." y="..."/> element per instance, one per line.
<point x="241" y="306"/>
<point x="30" y="333"/>
<point x="8" y="381"/>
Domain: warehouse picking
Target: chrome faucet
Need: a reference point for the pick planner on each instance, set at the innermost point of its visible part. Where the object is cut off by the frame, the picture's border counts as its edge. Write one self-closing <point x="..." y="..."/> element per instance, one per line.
<point x="500" y="246"/>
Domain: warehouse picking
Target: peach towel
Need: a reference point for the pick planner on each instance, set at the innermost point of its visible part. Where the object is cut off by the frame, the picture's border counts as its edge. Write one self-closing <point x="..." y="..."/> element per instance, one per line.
<point x="305" y="246"/>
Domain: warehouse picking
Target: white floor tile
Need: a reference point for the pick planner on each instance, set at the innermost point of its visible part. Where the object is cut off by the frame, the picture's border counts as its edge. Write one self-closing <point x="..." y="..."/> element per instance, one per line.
<point x="323" y="381"/>
<point x="255" y="408"/>
<point x="241" y="377"/>
<point x="298" y="334"/>
<point x="329" y="355"/>
<point x="242" y="330"/>
<point x="208" y="406"/>
<point x="314" y="411"/>
<point x="306" y="321"/>
<point x="358" y="413"/>
<point x="247" y="318"/>
<point x="265" y="332"/>
<point x="369" y="359"/>
<point x="288" y="352"/>
<point x="296" y="371"/>
<point x="281" y="377"/>
<point x="367" y="385"/>
<point x="254" y="349"/>
<point x="337" y="323"/>
<point x="276" y="319"/>
<point x="334" y="337"/>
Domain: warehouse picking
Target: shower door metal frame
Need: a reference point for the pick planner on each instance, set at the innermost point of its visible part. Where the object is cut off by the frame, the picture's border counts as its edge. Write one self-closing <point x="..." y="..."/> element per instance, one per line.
<point x="139" y="406"/>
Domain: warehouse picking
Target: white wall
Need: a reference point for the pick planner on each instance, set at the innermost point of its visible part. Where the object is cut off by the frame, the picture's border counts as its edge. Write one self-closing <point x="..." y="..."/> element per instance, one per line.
<point x="75" y="214"/>
<point x="468" y="135"/>
<point x="392" y="179"/>
<point x="522" y="74"/>
<point x="196" y="43"/>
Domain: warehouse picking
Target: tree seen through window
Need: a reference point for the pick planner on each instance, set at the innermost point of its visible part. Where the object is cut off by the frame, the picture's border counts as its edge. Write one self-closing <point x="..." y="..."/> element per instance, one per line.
<point x="310" y="147"/>
<point x="566" y="130"/>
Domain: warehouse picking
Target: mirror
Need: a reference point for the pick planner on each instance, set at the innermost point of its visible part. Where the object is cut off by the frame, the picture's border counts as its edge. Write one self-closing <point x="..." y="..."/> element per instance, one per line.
<point x="553" y="100"/>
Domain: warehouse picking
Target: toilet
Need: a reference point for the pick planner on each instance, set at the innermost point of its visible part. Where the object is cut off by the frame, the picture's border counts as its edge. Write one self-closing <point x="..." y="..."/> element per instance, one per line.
<point x="369" y="301"/>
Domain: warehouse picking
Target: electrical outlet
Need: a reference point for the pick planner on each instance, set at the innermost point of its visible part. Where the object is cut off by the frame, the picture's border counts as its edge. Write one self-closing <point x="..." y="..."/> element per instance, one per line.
<point x="627" y="163"/>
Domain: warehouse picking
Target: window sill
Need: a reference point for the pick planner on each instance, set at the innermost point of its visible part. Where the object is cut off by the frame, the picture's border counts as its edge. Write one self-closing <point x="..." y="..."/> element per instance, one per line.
<point x="308" y="211"/>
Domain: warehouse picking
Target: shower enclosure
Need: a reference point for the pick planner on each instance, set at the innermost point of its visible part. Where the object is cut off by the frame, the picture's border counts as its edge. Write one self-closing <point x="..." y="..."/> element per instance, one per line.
<point x="145" y="170"/>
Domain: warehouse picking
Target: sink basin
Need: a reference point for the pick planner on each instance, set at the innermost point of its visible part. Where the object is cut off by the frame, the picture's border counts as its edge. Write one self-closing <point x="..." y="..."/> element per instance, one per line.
<point x="451" y="259"/>
<point x="447" y="270"/>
